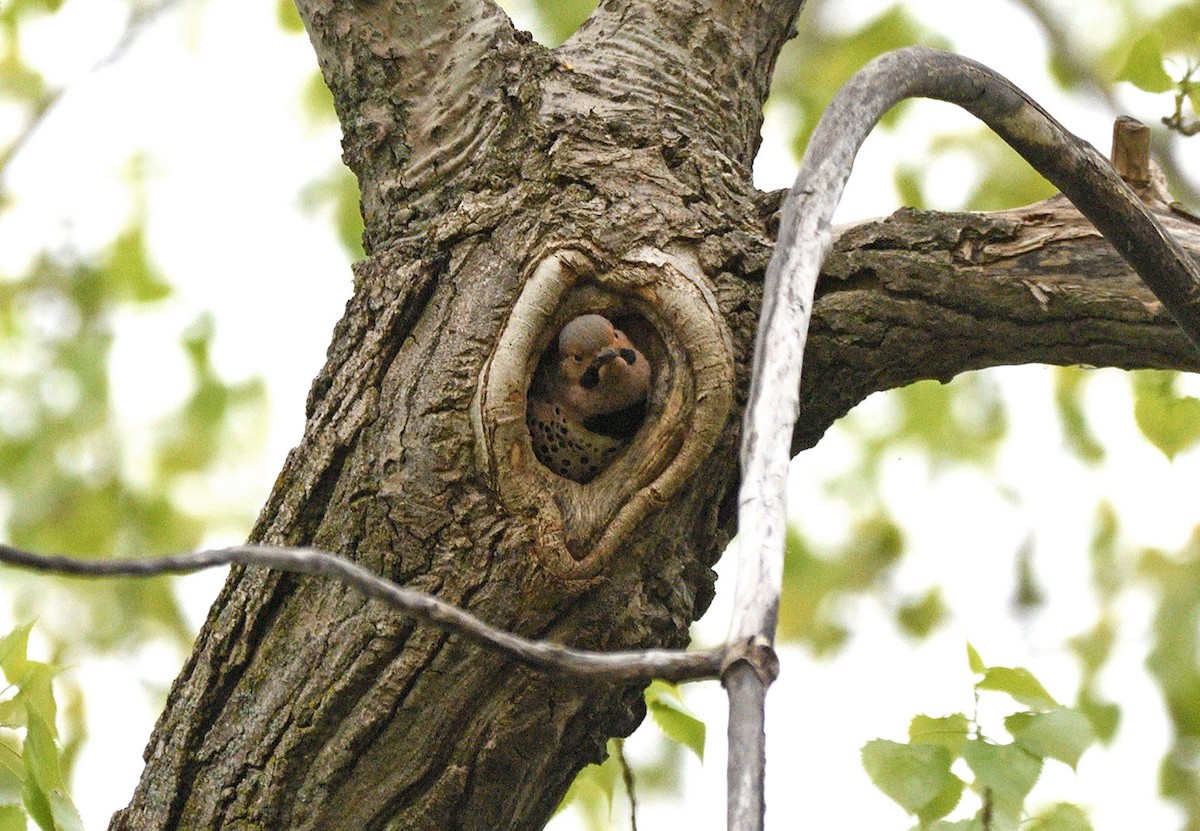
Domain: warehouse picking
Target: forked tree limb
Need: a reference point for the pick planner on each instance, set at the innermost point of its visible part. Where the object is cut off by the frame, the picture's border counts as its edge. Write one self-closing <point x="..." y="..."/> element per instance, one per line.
<point x="646" y="52"/>
<point x="1073" y="165"/>
<point x="747" y="661"/>
<point x="420" y="90"/>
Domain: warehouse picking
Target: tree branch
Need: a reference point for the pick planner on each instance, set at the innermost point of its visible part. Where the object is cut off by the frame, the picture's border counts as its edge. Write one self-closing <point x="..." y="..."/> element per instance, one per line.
<point x="702" y="66"/>
<point x="419" y="88"/>
<point x="925" y="294"/>
<point x="747" y="742"/>
<point x="790" y="285"/>
<point x="640" y="665"/>
<point x="1166" y="151"/>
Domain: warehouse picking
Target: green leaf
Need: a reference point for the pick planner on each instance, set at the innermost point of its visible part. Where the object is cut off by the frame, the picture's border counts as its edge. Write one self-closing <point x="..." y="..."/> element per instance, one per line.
<point x="1144" y="66"/>
<point x="37" y="805"/>
<point x="1069" y="388"/>
<point x="13" y="647"/>
<point x="45" y="791"/>
<point x="12" y="819"/>
<point x="1169" y="421"/>
<point x="37" y="694"/>
<point x="593" y="787"/>
<point x="916" y="777"/>
<point x="1005" y="770"/>
<point x="1020" y="684"/>
<point x="972" y="824"/>
<point x="674" y="718"/>
<point x="1061" y="817"/>
<point x="948" y="731"/>
<point x="12" y="776"/>
<point x="944" y="802"/>
<point x="1062" y="734"/>
<point x="922" y="616"/>
<point x="974" y="661"/>
<point x="287" y="17"/>
<point x="66" y="815"/>
<point x="1104" y="715"/>
<point x="40" y="755"/>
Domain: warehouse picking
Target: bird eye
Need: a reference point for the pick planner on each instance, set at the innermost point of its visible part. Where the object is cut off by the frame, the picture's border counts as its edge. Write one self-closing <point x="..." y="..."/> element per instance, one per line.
<point x="577" y="358"/>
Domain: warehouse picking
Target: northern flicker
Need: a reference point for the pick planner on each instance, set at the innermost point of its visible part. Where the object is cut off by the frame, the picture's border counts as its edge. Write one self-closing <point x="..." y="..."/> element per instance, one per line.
<point x="579" y="404"/>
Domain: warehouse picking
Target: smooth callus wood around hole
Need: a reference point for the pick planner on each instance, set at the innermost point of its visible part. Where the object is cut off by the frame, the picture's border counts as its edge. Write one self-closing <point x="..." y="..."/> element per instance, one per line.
<point x="662" y="303"/>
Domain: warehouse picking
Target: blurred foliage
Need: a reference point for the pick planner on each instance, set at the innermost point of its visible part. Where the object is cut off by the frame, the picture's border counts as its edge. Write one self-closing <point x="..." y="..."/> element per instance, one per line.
<point x="1093" y="647"/>
<point x="920" y="775"/>
<point x="823" y="56"/>
<point x="1069" y="385"/>
<point x="32" y="766"/>
<point x="962" y="422"/>
<point x="817" y="586"/>
<point x="1171" y="422"/>
<point x="74" y="478"/>
<point x="64" y="454"/>
<point x="593" y="791"/>
<point x="1002" y="178"/>
<point x="1174" y="663"/>
<point x="1166" y="59"/>
<point x="336" y="194"/>
<point x="560" y="18"/>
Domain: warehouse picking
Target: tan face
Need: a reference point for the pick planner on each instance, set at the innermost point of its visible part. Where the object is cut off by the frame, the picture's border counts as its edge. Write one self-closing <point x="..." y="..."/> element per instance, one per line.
<point x="600" y="370"/>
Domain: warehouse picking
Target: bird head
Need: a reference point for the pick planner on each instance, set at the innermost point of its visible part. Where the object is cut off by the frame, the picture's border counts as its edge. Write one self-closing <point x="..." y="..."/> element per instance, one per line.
<point x="599" y="369"/>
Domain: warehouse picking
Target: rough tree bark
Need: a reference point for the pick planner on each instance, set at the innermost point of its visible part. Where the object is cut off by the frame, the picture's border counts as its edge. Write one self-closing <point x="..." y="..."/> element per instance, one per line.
<point x="506" y="187"/>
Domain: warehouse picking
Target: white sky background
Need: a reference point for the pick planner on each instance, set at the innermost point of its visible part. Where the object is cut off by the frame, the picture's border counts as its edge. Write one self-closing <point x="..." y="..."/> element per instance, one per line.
<point x="212" y="96"/>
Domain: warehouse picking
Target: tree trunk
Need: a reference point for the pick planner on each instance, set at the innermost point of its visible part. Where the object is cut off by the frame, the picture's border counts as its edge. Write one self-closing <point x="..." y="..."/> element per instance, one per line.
<point x="506" y="188"/>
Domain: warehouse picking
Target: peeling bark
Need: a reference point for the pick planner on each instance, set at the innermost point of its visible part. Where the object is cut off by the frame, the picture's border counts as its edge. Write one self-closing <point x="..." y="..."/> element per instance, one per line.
<point x="480" y="155"/>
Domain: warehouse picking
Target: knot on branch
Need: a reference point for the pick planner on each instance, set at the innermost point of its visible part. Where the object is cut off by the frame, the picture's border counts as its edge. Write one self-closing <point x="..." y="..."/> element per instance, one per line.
<point x="756" y="652"/>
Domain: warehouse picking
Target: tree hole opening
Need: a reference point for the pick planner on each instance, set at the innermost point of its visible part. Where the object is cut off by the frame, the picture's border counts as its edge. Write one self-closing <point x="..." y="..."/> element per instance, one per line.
<point x="592" y="391"/>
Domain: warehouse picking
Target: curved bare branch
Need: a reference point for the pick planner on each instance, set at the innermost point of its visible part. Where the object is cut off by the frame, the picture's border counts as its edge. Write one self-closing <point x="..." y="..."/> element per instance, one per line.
<point x="640" y="665"/>
<point x="804" y="241"/>
<point x="1056" y="33"/>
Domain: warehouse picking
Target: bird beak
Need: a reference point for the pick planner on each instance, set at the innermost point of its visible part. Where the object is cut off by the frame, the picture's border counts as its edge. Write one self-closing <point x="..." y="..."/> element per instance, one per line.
<point x="604" y="357"/>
